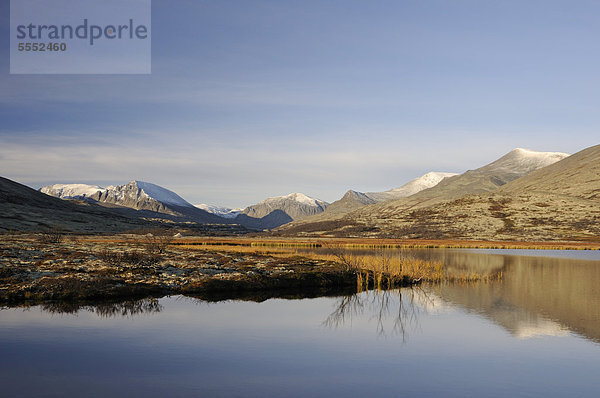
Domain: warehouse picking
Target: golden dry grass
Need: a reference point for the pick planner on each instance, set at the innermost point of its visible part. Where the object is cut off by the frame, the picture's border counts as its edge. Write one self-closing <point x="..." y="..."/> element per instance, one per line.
<point x="379" y="268"/>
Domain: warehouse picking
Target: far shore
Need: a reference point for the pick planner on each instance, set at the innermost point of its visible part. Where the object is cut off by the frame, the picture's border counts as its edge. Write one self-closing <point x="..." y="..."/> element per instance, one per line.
<point x="269" y="241"/>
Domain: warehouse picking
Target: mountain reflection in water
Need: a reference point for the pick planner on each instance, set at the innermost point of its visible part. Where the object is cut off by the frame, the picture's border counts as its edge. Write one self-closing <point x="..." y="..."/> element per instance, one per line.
<point x="439" y="340"/>
<point x="537" y="295"/>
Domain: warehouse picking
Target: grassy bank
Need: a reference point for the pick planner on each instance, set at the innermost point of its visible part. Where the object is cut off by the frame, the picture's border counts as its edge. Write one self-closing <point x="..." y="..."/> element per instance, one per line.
<point x="111" y="268"/>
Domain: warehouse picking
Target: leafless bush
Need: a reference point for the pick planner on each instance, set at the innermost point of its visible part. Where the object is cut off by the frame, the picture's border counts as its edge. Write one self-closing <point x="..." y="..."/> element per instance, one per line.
<point x="343" y="256"/>
<point x="157" y="240"/>
<point x="130" y="258"/>
<point x="51" y="235"/>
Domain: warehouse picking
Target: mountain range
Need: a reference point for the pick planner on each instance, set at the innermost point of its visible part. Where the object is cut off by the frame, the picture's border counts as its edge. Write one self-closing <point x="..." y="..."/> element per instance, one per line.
<point x="149" y="199"/>
<point x="154" y="201"/>
<point x="354" y="199"/>
<point x="524" y="194"/>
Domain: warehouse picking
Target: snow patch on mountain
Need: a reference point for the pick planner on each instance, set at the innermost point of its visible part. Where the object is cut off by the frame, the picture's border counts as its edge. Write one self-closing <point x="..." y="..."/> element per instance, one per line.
<point x="71" y="191"/>
<point x="225" y="212"/>
<point x="295" y="205"/>
<point x="118" y="194"/>
<point x="161" y="194"/>
<point x="296" y="197"/>
<point x="523" y="161"/>
<point x="412" y="187"/>
<point x="428" y="180"/>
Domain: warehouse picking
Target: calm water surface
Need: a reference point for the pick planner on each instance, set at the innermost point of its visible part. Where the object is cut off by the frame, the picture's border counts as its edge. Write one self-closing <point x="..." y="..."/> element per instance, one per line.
<point x="535" y="334"/>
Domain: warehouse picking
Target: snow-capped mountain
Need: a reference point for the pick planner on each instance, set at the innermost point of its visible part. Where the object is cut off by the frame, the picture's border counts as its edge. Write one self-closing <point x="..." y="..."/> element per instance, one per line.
<point x="515" y="164"/>
<point x="156" y="192"/>
<point x="522" y="161"/>
<point x="353" y="199"/>
<point x="220" y="211"/>
<point x="141" y="195"/>
<point x="71" y="191"/>
<point x="295" y="205"/>
<point x="428" y="180"/>
<point x="138" y="195"/>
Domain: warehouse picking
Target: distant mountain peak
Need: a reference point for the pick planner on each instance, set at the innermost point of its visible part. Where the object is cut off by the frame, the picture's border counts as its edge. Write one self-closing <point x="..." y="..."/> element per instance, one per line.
<point x="220" y="210"/>
<point x="412" y="187"/>
<point x="418" y="184"/>
<point x="136" y="194"/>
<point x="522" y="161"/>
<point x="296" y="205"/>
<point x="297" y="197"/>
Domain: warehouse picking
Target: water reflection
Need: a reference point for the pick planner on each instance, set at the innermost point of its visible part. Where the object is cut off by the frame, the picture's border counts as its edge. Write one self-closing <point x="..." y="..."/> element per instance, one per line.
<point x="533" y="292"/>
<point x="393" y="312"/>
<point x="127" y="308"/>
<point x="538" y="296"/>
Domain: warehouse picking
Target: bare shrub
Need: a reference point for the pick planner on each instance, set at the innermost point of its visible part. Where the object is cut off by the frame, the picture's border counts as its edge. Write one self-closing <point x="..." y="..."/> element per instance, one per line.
<point x="157" y="240"/>
<point x="51" y="235"/>
<point x="343" y="256"/>
<point x="130" y="258"/>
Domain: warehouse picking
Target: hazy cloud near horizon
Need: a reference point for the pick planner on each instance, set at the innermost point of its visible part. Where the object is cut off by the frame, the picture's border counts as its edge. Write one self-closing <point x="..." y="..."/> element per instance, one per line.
<point x="253" y="99"/>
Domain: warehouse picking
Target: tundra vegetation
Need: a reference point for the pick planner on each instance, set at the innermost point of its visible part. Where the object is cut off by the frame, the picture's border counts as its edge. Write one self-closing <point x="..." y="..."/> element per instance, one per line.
<point x="58" y="266"/>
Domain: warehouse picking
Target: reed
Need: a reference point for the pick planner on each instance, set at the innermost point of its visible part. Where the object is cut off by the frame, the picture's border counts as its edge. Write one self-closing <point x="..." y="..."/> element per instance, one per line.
<point x="379" y="269"/>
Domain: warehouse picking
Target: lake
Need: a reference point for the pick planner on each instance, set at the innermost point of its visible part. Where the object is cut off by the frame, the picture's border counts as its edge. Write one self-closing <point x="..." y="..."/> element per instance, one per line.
<point x="536" y="333"/>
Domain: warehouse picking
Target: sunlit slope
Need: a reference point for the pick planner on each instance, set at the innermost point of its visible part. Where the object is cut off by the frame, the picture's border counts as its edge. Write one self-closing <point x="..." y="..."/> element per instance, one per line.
<point x="577" y="176"/>
<point x="557" y="202"/>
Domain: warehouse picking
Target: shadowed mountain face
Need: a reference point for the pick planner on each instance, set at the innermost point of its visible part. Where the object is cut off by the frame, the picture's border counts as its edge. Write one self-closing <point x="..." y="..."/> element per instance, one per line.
<point x="351" y="200"/>
<point x="274" y="212"/>
<point x="295" y="205"/>
<point x="272" y="220"/>
<point x="25" y="209"/>
<point x="556" y="202"/>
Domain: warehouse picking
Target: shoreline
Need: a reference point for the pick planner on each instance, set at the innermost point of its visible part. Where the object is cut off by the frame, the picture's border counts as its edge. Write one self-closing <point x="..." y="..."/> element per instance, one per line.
<point x="83" y="268"/>
<point x="368" y="243"/>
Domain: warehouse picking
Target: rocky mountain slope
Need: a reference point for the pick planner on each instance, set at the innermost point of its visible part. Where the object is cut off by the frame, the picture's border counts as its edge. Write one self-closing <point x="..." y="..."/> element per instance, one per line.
<point x="351" y="200"/>
<point x="279" y="210"/>
<point x="137" y="195"/>
<point x="25" y="209"/>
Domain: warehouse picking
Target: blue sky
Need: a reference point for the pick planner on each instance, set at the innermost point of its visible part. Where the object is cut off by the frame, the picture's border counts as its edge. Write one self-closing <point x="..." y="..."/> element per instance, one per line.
<point x="250" y="99"/>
